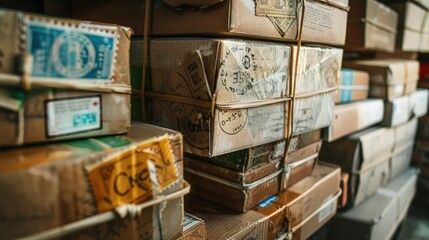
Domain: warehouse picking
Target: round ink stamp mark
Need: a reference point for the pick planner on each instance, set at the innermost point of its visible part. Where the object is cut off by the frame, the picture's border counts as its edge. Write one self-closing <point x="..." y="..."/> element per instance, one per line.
<point x="238" y="70"/>
<point x="195" y="133"/>
<point x="232" y="121"/>
<point x="73" y="55"/>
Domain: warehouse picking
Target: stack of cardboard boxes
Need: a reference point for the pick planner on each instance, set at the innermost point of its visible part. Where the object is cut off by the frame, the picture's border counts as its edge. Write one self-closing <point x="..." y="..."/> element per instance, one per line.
<point x="259" y="92"/>
<point x="250" y="108"/>
<point x="68" y="80"/>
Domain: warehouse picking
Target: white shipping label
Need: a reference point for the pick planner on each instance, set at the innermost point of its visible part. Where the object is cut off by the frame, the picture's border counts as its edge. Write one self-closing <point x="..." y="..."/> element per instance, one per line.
<point x="73" y="115"/>
<point x="328" y="209"/>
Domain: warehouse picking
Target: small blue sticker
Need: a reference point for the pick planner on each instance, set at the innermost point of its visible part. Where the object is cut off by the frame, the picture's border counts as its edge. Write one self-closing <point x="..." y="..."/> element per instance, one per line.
<point x="60" y="52"/>
<point x="268" y="201"/>
<point x="84" y="119"/>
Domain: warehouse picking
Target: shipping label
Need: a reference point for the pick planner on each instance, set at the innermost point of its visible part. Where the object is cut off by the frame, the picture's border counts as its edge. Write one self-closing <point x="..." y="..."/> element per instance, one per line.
<point x="327" y="209"/>
<point x="73" y="115"/>
<point x="63" y="51"/>
<point x="133" y="176"/>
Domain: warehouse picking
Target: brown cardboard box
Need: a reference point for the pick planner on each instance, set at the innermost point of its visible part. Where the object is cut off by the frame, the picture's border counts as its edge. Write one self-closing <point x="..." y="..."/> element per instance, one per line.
<point x="244" y="180"/>
<point x="400" y="110"/>
<point x="411" y="23"/>
<point x="263" y="20"/>
<point x="240" y="196"/>
<point x="300" y="164"/>
<point x="352" y="117"/>
<point x="244" y="160"/>
<point x="102" y="64"/>
<point x="353" y="86"/>
<point x="250" y="98"/>
<point x="389" y="78"/>
<point x="365" y="156"/>
<point x="371" y="25"/>
<point x="379" y="216"/>
<point x="193" y="228"/>
<point x="306" y="202"/>
<point x="46" y="115"/>
<point x="61" y="183"/>
<point x="372" y="157"/>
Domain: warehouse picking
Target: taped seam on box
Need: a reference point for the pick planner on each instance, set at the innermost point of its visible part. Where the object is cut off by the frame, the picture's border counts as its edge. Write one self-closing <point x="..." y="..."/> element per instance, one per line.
<point x="245" y="186"/>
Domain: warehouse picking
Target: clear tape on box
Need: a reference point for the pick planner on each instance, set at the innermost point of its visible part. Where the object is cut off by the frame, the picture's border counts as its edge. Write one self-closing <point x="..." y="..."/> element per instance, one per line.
<point x="253" y="91"/>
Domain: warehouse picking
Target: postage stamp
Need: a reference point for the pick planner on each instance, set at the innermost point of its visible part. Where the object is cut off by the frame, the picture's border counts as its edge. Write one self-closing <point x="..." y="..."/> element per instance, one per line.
<point x="67" y="52"/>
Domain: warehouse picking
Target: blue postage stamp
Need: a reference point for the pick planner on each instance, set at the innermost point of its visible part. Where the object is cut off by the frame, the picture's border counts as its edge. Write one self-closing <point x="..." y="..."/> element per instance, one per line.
<point x="69" y="53"/>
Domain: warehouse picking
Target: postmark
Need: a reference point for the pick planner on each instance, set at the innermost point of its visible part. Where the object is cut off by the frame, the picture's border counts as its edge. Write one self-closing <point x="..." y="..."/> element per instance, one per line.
<point x="189" y="80"/>
<point x="237" y="70"/>
<point x="232" y="121"/>
<point x="64" y="51"/>
<point x="196" y="131"/>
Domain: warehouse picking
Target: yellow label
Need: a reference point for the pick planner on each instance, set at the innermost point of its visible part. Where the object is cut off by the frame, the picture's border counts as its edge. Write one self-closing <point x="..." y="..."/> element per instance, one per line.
<point x="133" y="176"/>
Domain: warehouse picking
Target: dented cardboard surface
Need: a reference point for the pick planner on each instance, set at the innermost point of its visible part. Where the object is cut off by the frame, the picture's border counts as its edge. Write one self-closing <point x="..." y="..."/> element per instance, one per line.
<point x="56" y="166"/>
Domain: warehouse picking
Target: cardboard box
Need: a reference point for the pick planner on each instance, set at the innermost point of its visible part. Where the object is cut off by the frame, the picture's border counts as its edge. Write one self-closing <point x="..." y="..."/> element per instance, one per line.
<point x="244" y="160"/>
<point x="371" y="25"/>
<point x="241" y="196"/>
<point x="193" y="228"/>
<point x="400" y="110"/>
<point x="102" y="63"/>
<point x="389" y="78"/>
<point x="249" y="99"/>
<point x="365" y="156"/>
<point x="306" y="202"/>
<point x="379" y="216"/>
<point x="299" y="164"/>
<point x="242" y="179"/>
<point x="352" y="117"/>
<point x="46" y="115"/>
<point x="353" y="86"/>
<point x="263" y="20"/>
<point x="61" y="183"/>
<point x="371" y="157"/>
<point x="411" y="23"/>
